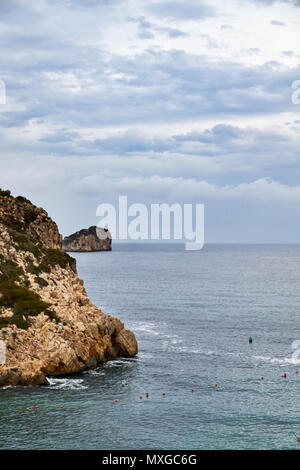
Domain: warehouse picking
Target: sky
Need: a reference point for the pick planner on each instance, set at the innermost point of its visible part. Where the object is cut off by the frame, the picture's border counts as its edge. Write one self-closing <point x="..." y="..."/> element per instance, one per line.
<point x="171" y="101"/>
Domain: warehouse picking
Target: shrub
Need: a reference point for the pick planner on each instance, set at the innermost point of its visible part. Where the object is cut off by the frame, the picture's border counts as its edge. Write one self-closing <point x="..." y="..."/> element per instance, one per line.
<point x="32" y="268"/>
<point x="54" y="258"/>
<point x="5" y="192"/>
<point x="22" y="199"/>
<point x="30" y="216"/>
<point x="25" y="242"/>
<point x="23" y="302"/>
<point x="9" y="270"/>
<point x="41" y="282"/>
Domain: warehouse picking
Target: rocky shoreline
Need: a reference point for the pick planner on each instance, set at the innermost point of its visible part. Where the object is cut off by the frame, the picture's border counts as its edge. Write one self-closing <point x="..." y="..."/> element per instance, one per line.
<point x="47" y="322"/>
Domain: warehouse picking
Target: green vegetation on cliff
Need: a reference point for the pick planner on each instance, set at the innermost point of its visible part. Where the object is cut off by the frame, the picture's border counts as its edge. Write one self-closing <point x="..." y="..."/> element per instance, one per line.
<point x="15" y="295"/>
<point x="23" y="302"/>
<point x="18" y="226"/>
<point x="4" y="192"/>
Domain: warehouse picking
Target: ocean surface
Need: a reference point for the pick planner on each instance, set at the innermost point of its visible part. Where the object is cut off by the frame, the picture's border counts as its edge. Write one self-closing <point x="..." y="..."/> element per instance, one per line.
<point x="192" y="313"/>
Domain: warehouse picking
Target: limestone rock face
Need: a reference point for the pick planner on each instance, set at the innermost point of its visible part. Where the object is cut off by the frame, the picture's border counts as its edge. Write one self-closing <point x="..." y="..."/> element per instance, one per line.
<point x="22" y="216"/>
<point x="91" y="239"/>
<point x="126" y="343"/>
<point x="47" y="322"/>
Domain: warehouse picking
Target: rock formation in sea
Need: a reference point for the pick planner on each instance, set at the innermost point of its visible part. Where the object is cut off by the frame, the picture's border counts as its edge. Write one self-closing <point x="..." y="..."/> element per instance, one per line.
<point x="91" y="239"/>
<point x="47" y="322"/>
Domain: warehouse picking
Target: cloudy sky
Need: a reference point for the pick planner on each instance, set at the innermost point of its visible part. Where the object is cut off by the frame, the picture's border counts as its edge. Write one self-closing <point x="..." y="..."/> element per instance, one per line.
<point x="162" y="101"/>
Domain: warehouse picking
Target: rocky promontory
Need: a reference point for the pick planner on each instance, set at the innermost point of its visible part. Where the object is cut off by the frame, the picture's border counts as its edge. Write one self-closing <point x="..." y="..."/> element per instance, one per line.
<point x="47" y="323"/>
<point x="91" y="239"/>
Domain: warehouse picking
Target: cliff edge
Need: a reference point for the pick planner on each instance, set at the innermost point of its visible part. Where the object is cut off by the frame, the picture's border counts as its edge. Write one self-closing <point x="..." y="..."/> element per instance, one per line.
<point x="47" y="323"/>
<point x="91" y="239"/>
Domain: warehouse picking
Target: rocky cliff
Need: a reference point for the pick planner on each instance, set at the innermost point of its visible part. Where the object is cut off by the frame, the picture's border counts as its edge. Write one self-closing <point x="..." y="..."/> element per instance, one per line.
<point x="47" y="322"/>
<point x="92" y="239"/>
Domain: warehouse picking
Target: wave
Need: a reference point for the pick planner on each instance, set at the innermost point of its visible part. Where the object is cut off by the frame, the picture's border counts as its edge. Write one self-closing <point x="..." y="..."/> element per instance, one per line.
<point x="66" y="383"/>
<point x="149" y="328"/>
<point x="175" y="346"/>
<point x="118" y="363"/>
<point x="277" y="360"/>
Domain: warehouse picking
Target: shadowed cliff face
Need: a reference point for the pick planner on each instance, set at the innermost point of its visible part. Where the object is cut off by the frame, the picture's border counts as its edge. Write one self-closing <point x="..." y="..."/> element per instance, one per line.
<point x="47" y="322"/>
<point x="92" y="239"/>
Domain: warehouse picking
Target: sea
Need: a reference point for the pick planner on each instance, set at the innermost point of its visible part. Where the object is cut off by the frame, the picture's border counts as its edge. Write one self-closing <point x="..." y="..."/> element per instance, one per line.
<point x="208" y="388"/>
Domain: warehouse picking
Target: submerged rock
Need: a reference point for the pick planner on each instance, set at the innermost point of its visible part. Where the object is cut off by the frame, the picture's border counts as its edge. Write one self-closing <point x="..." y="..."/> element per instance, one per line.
<point x="91" y="239"/>
<point x="47" y="322"/>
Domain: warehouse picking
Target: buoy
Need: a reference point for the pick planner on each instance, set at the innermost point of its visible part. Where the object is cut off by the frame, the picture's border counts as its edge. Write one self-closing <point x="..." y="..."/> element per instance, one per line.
<point x="141" y="397"/>
<point x="147" y="395"/>
<point x="284" y="376"/>
<point x="27" y="409"/>
<point x="116" y="401"/>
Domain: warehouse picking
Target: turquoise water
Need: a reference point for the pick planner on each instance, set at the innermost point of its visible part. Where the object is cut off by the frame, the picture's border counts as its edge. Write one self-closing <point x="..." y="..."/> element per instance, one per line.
<point x="192" y="313"/>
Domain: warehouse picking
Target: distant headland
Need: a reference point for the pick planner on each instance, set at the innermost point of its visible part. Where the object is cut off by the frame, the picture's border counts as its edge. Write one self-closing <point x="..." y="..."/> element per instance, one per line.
<point x="91" y="239"/>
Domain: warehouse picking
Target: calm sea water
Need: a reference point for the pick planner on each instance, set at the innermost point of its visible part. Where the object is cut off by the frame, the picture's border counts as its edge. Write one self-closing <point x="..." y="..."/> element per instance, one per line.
<point x="192" y="313"/>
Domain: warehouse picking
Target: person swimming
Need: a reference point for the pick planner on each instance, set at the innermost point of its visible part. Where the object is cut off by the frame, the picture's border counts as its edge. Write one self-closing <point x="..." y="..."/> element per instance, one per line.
<point x="250" y="340"/>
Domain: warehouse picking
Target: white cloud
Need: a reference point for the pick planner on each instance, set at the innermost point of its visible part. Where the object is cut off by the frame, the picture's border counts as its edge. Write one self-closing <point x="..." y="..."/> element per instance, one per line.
<point x="162" y="100"/>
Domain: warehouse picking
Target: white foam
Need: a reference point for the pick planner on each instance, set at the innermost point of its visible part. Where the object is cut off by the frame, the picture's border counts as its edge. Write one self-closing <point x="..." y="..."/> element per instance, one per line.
<point x="95" y="372"/>
<point x="149" y="328"/>
<point x="278" y="360"/>
<point x="66" y="383"/>
<point x="175" y="346"/>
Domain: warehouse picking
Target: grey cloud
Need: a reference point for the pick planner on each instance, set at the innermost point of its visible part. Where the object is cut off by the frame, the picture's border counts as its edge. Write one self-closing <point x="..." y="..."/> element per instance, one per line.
<point x="152" y="86"/>
<point x="79" y="4"/>
<point x="146" y="29"/>
<point x="226" y="151"/>
<point x="181" y="10"/>
<point x="144" y="34"/>
<point x="60" y="79"/>
<point x="289" y="53"/>
<point x="277" y="23"/>
<point x="67" y="90"/>
<point x="172" y="32"/>
<point x="133" y="141"/>
<point x="219" y="133"/>
<point x="59" y="136"/>
<point x="8" y="7"/>
<point x="271" y="2"/>
<point x="141" y="21"/>
<point x="254" y="50"/>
